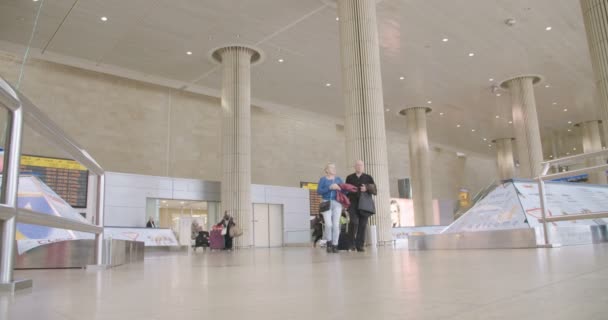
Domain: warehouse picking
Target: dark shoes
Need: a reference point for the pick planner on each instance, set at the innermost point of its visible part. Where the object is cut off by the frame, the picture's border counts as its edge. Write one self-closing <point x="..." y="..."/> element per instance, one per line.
<point x="331" y="248"/>
<point x="360" y="250"/>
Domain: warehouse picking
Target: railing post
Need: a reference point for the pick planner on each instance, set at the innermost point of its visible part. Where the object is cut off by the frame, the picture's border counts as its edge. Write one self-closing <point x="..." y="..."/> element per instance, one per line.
<point x="543" y="208"/>
<point x="8" y="196"/>
<point x="99" y="243"/>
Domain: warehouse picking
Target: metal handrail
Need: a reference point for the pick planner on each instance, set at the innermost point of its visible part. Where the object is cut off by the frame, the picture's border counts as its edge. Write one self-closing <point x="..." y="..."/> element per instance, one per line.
<point x="24" y="111"/>
<point x="546" y="165"/>
<point x="47" y="220"/>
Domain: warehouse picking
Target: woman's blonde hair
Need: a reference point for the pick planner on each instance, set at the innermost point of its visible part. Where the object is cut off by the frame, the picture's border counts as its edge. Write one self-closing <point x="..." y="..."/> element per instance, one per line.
<point x="329" y="164"/>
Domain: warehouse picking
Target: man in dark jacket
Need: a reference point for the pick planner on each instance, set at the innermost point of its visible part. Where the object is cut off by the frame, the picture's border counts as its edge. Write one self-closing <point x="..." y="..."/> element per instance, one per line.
<point x="358" y="220"/>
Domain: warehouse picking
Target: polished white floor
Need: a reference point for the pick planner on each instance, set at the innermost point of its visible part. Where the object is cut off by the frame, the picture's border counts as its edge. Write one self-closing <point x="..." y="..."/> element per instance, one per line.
<point x="302" y="283"/>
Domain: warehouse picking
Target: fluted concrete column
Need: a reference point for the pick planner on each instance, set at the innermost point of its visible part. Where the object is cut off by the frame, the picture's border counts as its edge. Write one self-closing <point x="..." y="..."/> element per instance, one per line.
<point x="420" y="164"/>
<point x="596" y="24"/>
<point x="525" y="122"/>
<point x="592" y="142"/>
<point x="504" y="158"/>
<point x="364" y="106"/>
<point x="236" y="136"/>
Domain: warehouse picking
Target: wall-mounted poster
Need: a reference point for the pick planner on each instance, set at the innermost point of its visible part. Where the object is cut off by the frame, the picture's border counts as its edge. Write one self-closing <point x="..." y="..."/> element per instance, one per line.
<point x="402" y="212"/>
<point x="315" y="198"/>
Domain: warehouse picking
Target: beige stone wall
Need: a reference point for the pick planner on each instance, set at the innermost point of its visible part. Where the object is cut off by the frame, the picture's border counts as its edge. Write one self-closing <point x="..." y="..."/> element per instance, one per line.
<point x="134" y="127"/>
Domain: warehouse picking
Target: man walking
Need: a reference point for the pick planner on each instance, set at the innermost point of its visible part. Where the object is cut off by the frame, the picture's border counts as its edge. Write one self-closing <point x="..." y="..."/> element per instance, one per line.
<point x="359" y="219"/>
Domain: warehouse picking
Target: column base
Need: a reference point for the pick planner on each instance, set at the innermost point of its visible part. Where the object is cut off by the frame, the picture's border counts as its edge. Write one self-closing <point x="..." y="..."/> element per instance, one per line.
<point x="18" y="284"/>
<point x="98" y="267"/>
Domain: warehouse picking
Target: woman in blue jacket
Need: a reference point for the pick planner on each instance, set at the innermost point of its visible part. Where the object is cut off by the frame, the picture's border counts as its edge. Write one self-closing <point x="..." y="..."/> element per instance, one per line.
<point x="328" y="188"/>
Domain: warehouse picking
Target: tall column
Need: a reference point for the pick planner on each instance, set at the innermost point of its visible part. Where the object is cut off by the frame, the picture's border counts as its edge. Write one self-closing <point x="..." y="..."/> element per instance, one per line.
<point x="420" y="164"/>
<point x="596" y="25"/>
<point x="364" y="106"/>
<point x="236" y="136"/>
<point x="592" y="142"/>
<point x="504" y="158"/>
<point x="525" y="122"/>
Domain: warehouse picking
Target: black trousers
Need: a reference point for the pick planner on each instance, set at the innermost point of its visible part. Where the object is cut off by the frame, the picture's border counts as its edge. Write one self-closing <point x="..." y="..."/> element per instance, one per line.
<point x="227" y="242"/>
<point x="357" y="228"/>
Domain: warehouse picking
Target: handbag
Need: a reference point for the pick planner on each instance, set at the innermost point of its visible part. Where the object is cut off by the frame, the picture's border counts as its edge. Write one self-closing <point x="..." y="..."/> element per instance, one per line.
<point x="235" y="232"/>
<point x="324" y="206"/>
<point x="367" y="206"/>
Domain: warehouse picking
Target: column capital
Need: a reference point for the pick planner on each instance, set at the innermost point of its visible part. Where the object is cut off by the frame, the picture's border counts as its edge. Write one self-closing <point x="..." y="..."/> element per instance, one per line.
<point x="404" y="112"/>
<point x="257" y="55"/>
<point x="498" y="139"/>
<point x="536" y="79"/>
<point x="588" y="121"/>
<point x="334" y="3"/>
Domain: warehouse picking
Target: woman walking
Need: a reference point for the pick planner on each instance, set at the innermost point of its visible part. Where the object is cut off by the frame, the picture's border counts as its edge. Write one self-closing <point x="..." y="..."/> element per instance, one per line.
<point x="330" y="208"/>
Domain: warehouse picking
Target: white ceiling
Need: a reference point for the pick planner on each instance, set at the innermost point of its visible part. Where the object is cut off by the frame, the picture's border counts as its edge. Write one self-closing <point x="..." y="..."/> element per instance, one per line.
<point x="151" y="38"/>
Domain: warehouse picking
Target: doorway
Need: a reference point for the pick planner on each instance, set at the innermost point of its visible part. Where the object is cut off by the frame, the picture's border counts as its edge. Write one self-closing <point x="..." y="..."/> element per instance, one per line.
<point x="267" y="225"/>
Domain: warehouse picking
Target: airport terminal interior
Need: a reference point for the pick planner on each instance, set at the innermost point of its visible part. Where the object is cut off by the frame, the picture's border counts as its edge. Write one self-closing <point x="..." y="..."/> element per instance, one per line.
<point x="303" y="159"/>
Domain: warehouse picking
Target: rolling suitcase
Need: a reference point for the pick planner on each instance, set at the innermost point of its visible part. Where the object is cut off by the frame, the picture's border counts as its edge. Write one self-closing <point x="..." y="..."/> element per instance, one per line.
<point x="216" y="239"/>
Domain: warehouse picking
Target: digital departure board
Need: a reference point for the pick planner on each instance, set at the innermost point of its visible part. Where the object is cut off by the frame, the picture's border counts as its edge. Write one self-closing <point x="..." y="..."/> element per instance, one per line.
<point x="68" y="178"/>
<point x="315" y="198"/>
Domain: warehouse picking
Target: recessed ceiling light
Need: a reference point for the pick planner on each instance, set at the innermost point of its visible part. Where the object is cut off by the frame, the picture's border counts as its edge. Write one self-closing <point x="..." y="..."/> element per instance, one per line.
<point x="573" y="149"/>
<point x="457" y="126"/>
<point x="328" y="84"/>
<point x="104" y="19"/>
<point x="484" y="139"/>
<point x="497" y="116"/>
<point x="490" y="145"/>
<point x="445" y="39"/>
<point x="491" y="79"/>
<point x="387" y="110"/>
<point x="441" y="113"/>
<point x="548" y="28"/>
<point x="401" y="78"/>
<point x="281" y="60"/>
<point x="567" y="153"/>
<point x="550" y="156"/>
<point x="554" y="103"/>
<point x="547" y="85"/>
<point x="569" y="130"/>
<point x="566" y="110"/>
<point x="471" y="54"/>
<point x="35" y="0"/>
<point x="429" y="102"/>
<point x="472" y="130"/>
<point x="510" y="122"/>
<point x="189" y="53"/>
<point x="498" y="94"/>
<point x="337" y="18"/>
<point x="569" y="122"/>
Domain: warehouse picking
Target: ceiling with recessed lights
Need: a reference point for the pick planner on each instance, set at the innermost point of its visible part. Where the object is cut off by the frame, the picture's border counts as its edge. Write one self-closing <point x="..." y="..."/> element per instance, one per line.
<point x="448" y="55"/>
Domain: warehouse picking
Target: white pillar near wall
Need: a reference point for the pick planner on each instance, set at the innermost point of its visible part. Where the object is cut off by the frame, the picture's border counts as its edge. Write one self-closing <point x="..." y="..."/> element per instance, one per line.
<point x="525" y="122"/>
<point x="364" y="107"/>
<point x="504" y="158"/>
<point x="592" y="142"/>
<point x="420" y="164"/>
<point x="596" y="25"/>
<point x="236" y="64"/>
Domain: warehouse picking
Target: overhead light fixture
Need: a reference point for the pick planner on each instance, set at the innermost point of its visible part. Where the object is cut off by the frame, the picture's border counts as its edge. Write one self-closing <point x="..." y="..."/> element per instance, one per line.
<point x="497" y="116"/>
<point x="491" y="79"/>
<point x="281" y="60"/>
<point x="548" y="28"/>
<point x="573" y="149"/>
<point x="104" y="19"/>
<point x="387" y="110"/>
<point x="445" y="39"/>
<point x="550" y="156"/>
<point x="510" y="122"/>
<point x="547" y="86"/>
<point x="567" y="153"/>
<point x="182" y="202"/>
<point x="189" y="53"/>
<point x="337" y="18"/>
<point x="490" y="145"/>
<point x="569" y="122"/>
<point x="472" y="130"/>
<point x="554" y="103"/>
<point x="471" y="54"/>
<point x="401" y="78"/>
<point x="429" y="102"/>
<point x="569" y="130"/>
<point x="484" y="139"/>
<point x="441" y="113"/>
<point x="457" y="126"/>
<point x="328" y="84"/>
<point x="565" y="109"/>
<point x="498" y="94"/>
